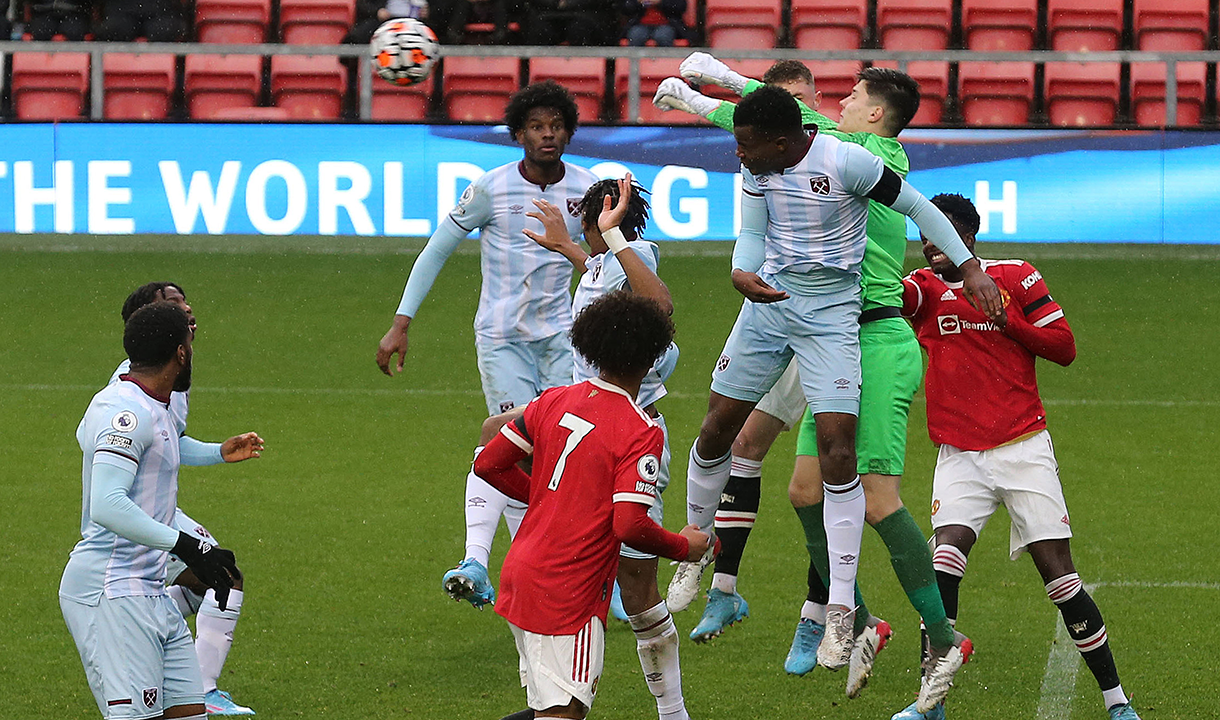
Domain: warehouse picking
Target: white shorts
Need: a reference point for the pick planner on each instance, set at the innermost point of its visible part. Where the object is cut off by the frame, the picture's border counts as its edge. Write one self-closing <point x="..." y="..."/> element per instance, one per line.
<point x="556" y="668"/>
<point x="138" y="654"/>
<point x="657" y="511"/>
<point x="968" y="486"/>
<point x="513" y="373"/>
<point x="173" y="566"/>
<point x="785" y="401"/>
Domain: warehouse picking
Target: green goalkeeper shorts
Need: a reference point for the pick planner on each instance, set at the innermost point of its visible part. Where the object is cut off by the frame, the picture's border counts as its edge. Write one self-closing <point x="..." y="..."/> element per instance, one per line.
<point x="891" y="366"/>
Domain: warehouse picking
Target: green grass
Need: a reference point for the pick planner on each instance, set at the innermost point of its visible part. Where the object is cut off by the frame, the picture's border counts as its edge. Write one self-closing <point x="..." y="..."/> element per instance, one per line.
<point x="346" y="524"/>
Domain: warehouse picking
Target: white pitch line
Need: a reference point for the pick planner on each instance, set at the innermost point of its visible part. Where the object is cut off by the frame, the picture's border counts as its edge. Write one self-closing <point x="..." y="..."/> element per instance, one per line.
<point x="1063" y="663"/>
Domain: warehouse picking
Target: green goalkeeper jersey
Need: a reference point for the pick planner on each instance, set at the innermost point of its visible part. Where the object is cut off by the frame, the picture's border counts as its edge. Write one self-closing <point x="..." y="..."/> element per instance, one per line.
<point x="887" y="229"/>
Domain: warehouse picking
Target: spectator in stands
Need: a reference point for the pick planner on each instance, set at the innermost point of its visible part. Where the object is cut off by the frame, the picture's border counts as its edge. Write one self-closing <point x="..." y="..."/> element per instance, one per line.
<point x="156" y="20"/>
<point x="6" y="30"/>
<point x="371" y="13"/>
<point x="656" y="20"/>
<point x="453" y="16"/>
<point x="48" y="18"/>
<point x="575" y="22"/>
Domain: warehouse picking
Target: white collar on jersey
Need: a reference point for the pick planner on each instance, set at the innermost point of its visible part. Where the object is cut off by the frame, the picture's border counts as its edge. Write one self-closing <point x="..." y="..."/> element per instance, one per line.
<point x="611" y="387"/>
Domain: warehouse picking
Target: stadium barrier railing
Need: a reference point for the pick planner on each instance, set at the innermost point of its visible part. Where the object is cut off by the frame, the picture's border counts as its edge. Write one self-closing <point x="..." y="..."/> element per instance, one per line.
<point x="631" y="55"/>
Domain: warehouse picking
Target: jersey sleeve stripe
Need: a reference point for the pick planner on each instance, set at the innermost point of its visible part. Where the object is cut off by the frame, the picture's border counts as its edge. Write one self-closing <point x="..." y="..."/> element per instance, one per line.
<point x="1043" y="322"/>
<point x="640" y="498"/>
<point x="1045" y="299"/>
<point x="918" y="293"/>
<point x="752" y="194"/>
<point x="107" y="456"/>
<point x="455" y="222"/>
<point x="516" y="439"/>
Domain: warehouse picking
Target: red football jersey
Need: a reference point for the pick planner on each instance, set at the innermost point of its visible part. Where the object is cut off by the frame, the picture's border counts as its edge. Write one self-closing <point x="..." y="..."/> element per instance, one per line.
<point x="592" y="447"/>
<point x="982" y="390"/>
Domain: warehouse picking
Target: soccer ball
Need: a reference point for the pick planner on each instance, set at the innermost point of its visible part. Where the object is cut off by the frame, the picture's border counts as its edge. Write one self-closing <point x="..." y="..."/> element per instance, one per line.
<point x="403" y="51"/>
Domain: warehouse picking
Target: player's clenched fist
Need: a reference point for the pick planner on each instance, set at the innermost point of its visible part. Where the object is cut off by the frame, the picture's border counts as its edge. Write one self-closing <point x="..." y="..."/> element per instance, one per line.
<point x="241" y="447"/>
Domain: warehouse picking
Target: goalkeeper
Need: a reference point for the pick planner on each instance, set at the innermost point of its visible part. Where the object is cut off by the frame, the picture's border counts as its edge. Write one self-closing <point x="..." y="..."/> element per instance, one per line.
<point x="881" y="104"/>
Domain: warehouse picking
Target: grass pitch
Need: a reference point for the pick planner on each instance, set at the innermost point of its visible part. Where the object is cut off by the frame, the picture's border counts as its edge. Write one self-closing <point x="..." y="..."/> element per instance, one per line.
<point x="346" y="524"/>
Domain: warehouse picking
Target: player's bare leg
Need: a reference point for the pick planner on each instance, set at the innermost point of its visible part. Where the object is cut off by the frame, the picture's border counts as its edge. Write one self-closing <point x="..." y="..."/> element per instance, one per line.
<point x="574" y="710"/>
<point x="843" y="518"/>
<point x="186" y="712"/>
<point x="706" y="475"/>
<point x="485" y="505"/>
<point x="735" y="518"/>
<point x="656" y="637"/>
<point x="1083" y="620"/>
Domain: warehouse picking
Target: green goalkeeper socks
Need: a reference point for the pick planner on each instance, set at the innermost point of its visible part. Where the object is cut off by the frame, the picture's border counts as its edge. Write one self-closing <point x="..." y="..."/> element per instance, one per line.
<point x="912" y="563"/>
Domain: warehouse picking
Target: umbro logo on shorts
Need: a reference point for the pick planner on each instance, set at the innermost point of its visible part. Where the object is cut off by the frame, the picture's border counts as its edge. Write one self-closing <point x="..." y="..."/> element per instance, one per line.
<point x="476" y="501"/>
<point x="842" y="383"/>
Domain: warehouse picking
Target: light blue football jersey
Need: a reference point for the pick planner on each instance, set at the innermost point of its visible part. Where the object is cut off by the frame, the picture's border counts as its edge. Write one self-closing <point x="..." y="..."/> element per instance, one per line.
<point x="817" y="210"/>
<point x="129" y="428"/>
<point x="179" y="402"/>
<point x="604" y="274"/>
<point x="525" y="294"/>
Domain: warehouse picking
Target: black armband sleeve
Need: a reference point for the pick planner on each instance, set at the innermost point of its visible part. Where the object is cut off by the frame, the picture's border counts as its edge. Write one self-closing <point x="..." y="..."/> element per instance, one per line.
<point x="887" y="188"/>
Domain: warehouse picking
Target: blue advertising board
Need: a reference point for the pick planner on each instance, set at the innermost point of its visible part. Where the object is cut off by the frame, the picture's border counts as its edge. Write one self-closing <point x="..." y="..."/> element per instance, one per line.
<point x="397" y="180"/>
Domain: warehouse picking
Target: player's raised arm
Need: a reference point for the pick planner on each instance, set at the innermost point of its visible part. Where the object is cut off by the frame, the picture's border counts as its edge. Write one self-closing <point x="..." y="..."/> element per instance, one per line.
<point x="868" y="177"/>
<point x="474" y="210"/>
<point x="555" y="235"/>
<point x="641" y="279"/>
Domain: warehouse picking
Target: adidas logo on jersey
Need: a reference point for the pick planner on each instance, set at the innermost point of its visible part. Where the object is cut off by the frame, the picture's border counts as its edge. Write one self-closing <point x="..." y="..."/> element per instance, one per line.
<point x="947" y="296"/>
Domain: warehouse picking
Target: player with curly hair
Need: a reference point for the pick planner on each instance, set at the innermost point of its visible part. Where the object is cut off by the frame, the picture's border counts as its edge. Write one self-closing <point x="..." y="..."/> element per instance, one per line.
<point x="524" y="313"/>
<point x="597" y="456"/>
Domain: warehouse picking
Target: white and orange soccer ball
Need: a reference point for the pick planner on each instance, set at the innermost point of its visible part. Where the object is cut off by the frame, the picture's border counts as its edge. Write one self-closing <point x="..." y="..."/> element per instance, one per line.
<point x="403" y="51"/>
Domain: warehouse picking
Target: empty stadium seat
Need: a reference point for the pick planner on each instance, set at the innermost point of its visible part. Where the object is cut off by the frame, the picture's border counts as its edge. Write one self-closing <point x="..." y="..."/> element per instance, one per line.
<point x="829" y="24"/>
<point x="391" y="102"/>
<point x="477" y="89"/>
<point x="232" y="21"/>
<point x="585" y="77"/>
<point x="49" y="86"/>
<point x="253" y="114"/>
<point x="1084" y="25"/>
<point x="1177" y="26"/>
<point x="1000" y="25"/>
<point x="316" y="22"/>
<point x="138" y="87"/>
<point x="215" y="83"/>
<point x="1082" y="93"/>
<point x="652" y="72"/>
<point x="996" y="93"/>
<point x="933" y="79"/>
<point x="1148" y="92"/>
<point x="834" y="79"/>
<point x="914" y="24"/>
<point x="742" y="23"/>
<point x="309" y="87"/>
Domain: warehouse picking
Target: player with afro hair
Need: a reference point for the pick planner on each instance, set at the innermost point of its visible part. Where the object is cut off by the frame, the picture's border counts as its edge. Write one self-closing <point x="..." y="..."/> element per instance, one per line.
<point x="545" y="94"/>
<point x="622" y="334"/>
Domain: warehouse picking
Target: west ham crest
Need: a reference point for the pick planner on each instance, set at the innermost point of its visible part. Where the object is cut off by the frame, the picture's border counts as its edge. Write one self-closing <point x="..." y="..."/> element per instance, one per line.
<point x="820" y="184"/>
<point x="150" y="697"/>
<point x="574" y="207"/>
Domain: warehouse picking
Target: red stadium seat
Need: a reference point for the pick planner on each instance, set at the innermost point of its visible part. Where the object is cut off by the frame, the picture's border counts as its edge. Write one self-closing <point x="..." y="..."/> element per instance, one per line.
<point x="253" y="114"/>
<point x="316" y="22"/>
<point x="477" y="89"/>
<point x="1084" y="25"/>
<point x="742" y="23"/>
<point x="585" y="77"/>
<point x="933" y="79"/>
<point x="996" y="93"/>
<point x="914" y="24"/>
<point x="49" y="86"/>
<point x="829" y="24"/>
<point x="391" y="102"/>
<point x="309" y="87"/>
<point x="232" y="21"/>
<point x="1082" y="93"/>
<point x="834" y="79"/>
<point x="1177" y="26"/>
<point x="1148" y="92"/>
<point x="215" y="83"/>
<point x="1000" y="25"/>
<point x="652" y="72"/>
<point x="138" y="87"/>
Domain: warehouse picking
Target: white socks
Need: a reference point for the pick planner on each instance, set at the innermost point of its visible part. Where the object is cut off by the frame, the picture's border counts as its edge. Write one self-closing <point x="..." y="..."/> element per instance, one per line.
<point x="813" y="611"/>
<point x="725" y="583"/>
<point x="656" y="641"/>
<point x="705" y="481"/>
<point x="214" y="635"/>
<point x="843" y="517"/>
<point x="187" y="601"/>
<point x="484" y="506"/>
